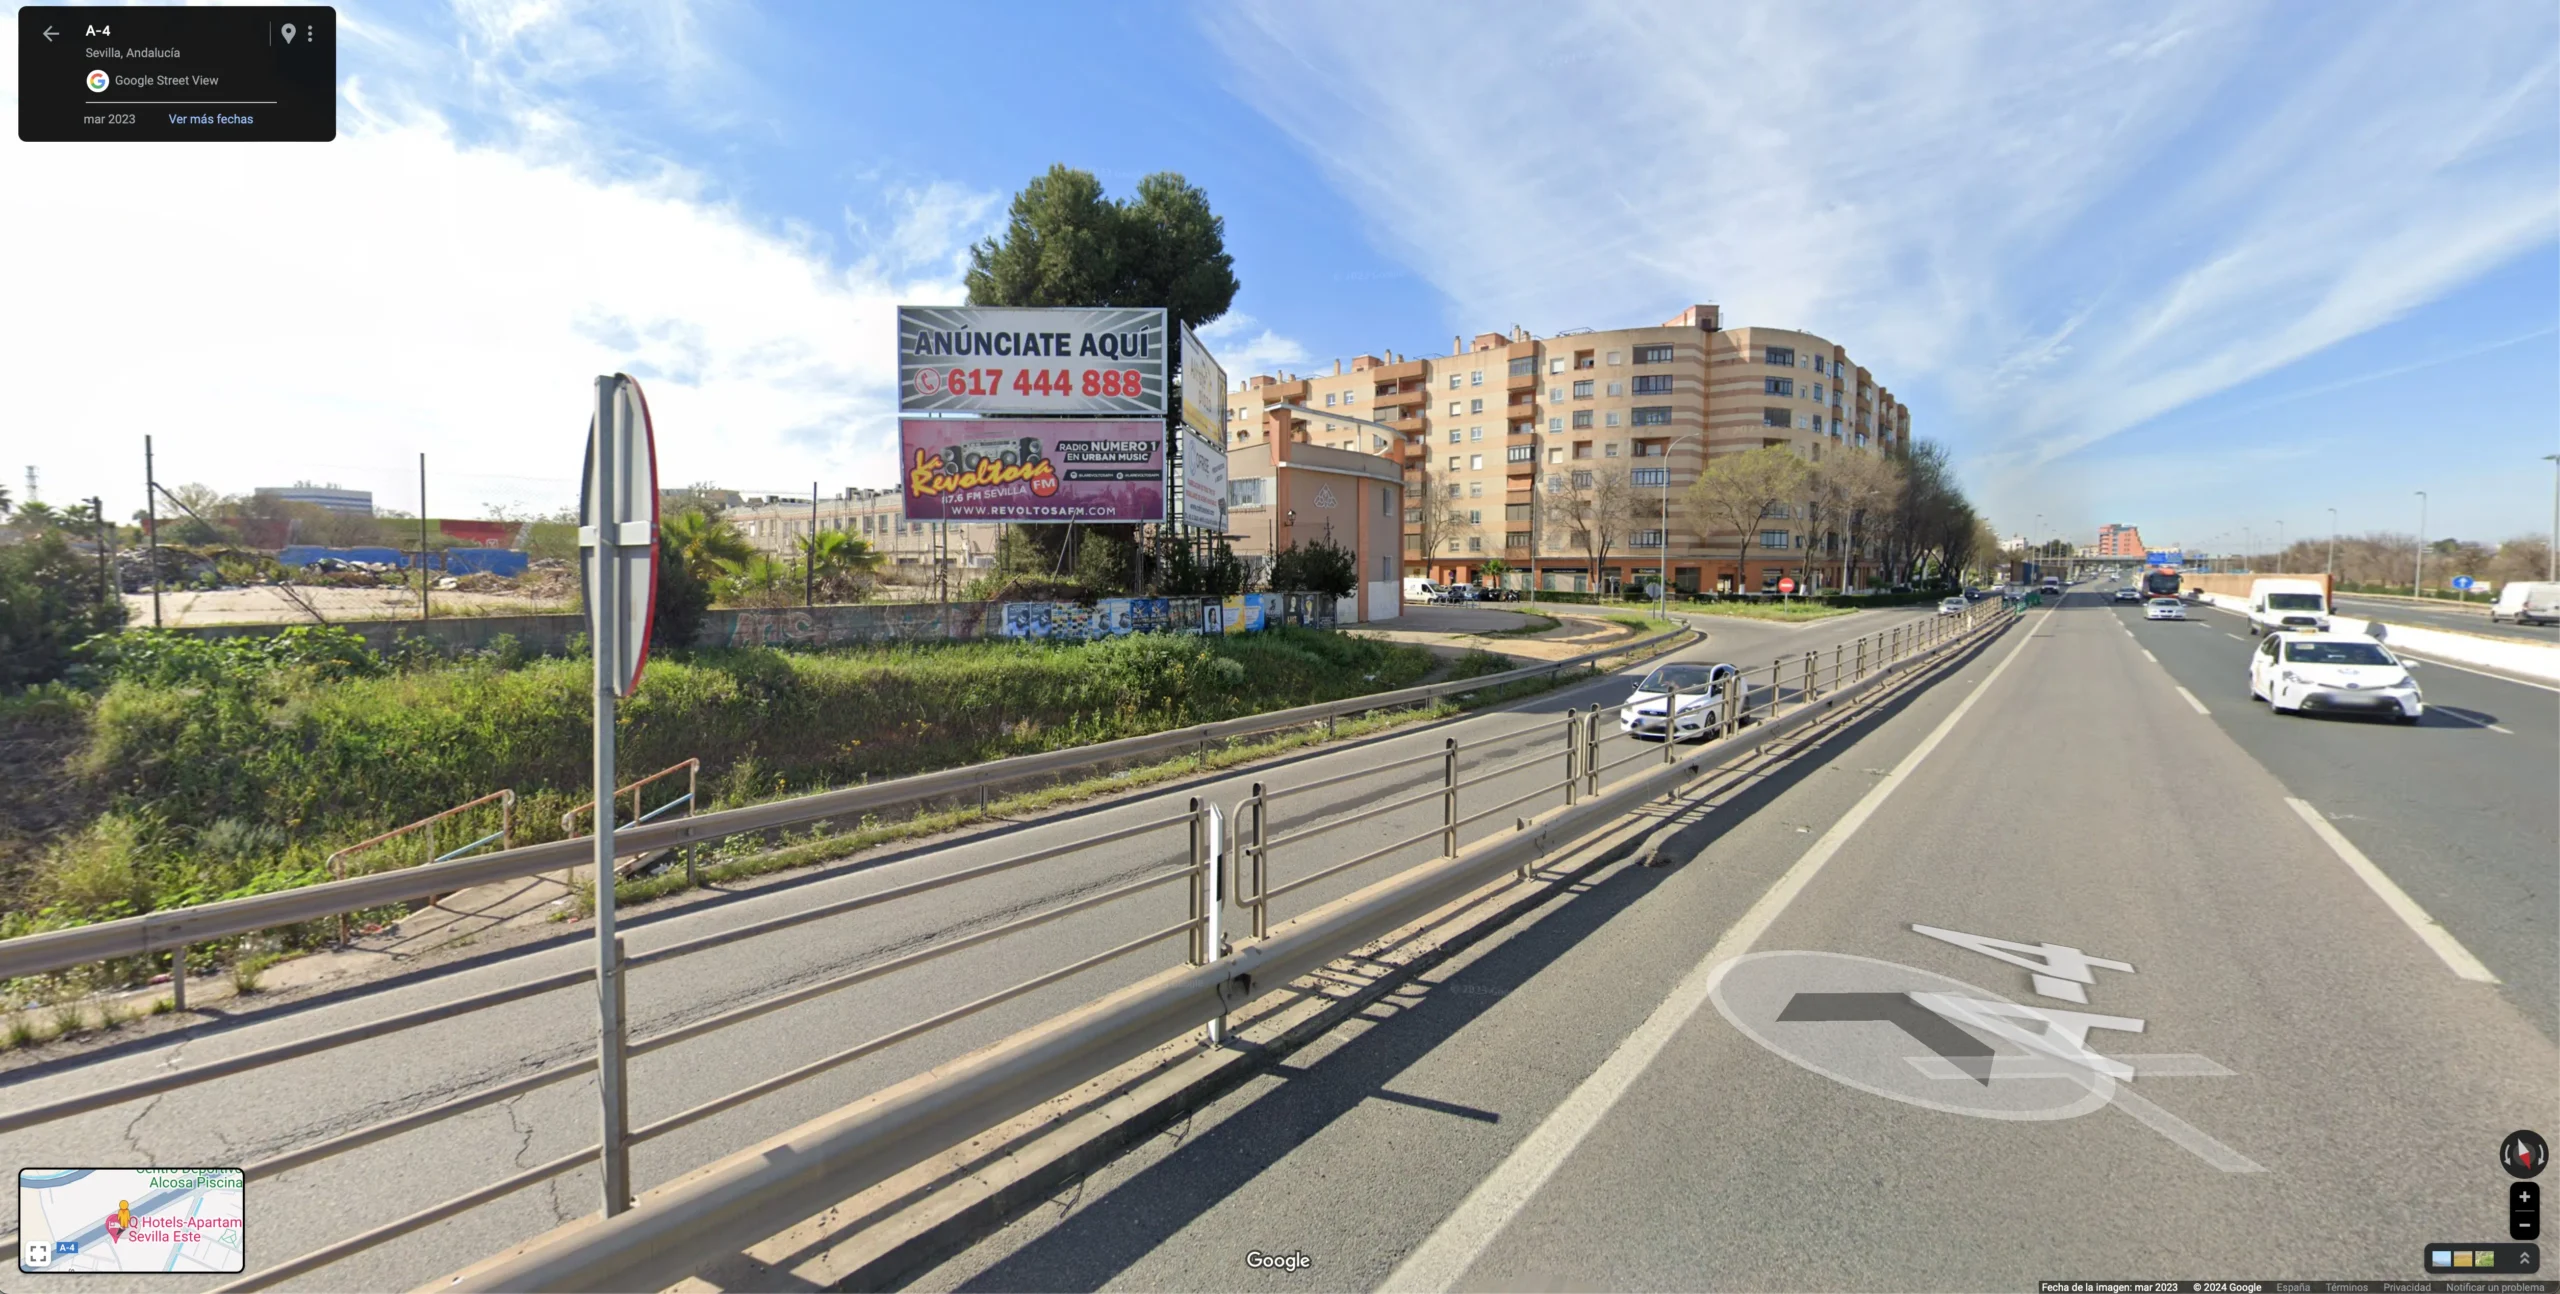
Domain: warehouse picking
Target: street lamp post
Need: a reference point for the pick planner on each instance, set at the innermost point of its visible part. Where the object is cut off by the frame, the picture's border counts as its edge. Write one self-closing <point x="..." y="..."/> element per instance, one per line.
<point x="2551" y="556"/>
<point x="2280" y="545"/>
<point x="1662" y="589"/>
<point x="2333" y="543"/>
<point x="2418" y="575"/>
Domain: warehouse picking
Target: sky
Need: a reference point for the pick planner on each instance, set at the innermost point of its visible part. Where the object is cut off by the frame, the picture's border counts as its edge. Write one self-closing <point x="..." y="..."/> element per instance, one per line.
<point x="2205" y="268"/>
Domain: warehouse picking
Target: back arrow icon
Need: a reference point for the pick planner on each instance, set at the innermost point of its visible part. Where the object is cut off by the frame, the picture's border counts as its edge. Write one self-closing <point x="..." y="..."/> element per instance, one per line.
<point x="48" y="33"/>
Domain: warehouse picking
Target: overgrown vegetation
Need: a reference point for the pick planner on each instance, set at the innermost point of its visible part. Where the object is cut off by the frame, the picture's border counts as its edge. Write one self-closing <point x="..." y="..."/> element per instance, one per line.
<point x="233" y="767"/>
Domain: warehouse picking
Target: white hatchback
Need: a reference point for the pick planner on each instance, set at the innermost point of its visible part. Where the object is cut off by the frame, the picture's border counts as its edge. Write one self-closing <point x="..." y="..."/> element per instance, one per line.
<point x="2164" y="609"/>
<point x="1701" y="690"/>
<point x="2345" y="673"/>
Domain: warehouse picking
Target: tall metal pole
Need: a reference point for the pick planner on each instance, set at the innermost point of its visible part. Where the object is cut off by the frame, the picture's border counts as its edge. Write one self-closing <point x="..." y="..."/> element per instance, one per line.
<point x="2551" y="556"/>
<point x="151" y="527"/>
<point x="2333" y="543"/>
<point x="2418" y="579"/>
<point x="2280" y="545"/>
<point x="105" y="532"/>
<point x="809" y="555"/>
<point x="604" y="615"/>
<point x="423" y="580"/>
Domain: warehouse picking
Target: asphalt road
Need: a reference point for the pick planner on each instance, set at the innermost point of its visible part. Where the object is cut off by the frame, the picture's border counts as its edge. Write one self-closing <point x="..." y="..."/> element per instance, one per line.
<point x="1716" y="1074"/>
<point x="2393" y="611"/>
<point x="240" y="1120"/>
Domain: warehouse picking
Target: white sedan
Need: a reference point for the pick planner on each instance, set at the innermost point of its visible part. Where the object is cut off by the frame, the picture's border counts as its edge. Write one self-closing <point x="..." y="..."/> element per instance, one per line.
<point x="2350" y="673"/>
<point x="1701" y="689"/>
<point x="2164" y="609"/>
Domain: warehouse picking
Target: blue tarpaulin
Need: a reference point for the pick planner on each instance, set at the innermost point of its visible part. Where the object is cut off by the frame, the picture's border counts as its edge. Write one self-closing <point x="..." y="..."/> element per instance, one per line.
<point x="455" y="561"/>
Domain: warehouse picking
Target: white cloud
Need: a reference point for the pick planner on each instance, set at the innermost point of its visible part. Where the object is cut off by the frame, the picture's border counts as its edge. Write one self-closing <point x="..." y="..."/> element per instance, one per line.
<point x="2050" y="222"/>
<point x="1244" y="347"/>
<point x="275" y="312"/>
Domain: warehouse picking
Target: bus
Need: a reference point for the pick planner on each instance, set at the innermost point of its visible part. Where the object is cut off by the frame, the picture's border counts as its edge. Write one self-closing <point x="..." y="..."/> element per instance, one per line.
<point x="2160" y="582"/>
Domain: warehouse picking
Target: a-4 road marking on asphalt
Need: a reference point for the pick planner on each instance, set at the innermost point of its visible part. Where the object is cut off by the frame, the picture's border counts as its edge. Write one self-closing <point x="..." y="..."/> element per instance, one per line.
<point x="1444" y="1257"/>
<point x="2438" y="940"/>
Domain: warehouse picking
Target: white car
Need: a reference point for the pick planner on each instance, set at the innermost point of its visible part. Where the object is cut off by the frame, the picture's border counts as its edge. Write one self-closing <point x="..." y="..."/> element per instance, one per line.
<point x="2164" y="609"/>
<point x="1951" y="606"/>
<point x="2349" y="673"/>
<point x="1701" y="688"/>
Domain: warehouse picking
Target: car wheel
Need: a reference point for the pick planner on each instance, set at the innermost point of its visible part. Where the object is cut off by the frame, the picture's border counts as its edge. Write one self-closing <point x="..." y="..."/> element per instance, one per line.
<point x="2406" y="720"/>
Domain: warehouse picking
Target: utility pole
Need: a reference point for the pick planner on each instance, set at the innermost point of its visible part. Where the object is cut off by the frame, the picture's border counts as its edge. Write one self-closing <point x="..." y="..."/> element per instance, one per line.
<point x="151" y="526"/>
<point x="422" y="537"/>
<point x="2280" y="544"/>
<point x="2418" y="579"/>
<point x="2551" y="555"/>
<point x="2333" y="543"/>
<point x="106" y="533"/>
<point x="809" y="554"/>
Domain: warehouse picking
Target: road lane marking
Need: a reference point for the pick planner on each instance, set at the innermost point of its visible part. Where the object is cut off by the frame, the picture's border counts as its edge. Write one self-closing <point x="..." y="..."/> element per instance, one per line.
<point x="2233" y="637"/>
<point x="2435" y="936"/>
<point x="2191" y="700"/>
<point x="2176" y="1064"/>
<point x="2146" y="655"/>
<point x="1461" y="1238"/>
<point x="2484" y="673"/>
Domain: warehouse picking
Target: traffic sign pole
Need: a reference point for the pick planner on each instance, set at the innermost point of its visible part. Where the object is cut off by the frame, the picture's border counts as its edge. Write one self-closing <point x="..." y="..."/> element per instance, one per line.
<point x="604" y="628"/>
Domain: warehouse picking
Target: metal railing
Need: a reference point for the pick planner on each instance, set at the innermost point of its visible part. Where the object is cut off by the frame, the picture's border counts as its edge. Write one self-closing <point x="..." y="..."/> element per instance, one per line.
<point x="502" y="837"/>
<point x="159" y="932"/>
<point x="733" y="1203"/>
<point x="692" y="770"/>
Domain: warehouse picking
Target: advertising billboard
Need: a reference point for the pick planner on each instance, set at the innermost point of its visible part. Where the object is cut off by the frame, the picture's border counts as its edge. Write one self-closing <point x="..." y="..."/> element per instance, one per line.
<point x="1204" y="389"/>
<point x="1073" y="360"/>
<point x="1032" y="470"/>
<point x="1204" y="483"/>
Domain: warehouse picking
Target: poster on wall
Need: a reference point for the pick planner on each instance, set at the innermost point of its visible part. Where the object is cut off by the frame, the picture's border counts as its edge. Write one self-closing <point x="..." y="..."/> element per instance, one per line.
<point x="1204" y="483"/>
<point x="1025" y="470"/>
<point x="1072" y="360"/>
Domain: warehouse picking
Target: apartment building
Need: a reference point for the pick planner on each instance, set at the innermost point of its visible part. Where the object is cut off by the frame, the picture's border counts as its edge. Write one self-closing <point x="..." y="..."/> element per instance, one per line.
<point x="1569" y="454"/>
<point x="777" y="526"/>
<point x="2119" y="541"/>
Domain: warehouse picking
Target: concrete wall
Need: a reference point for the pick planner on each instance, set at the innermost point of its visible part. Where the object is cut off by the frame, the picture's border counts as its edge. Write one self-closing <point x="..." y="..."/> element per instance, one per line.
<point x="2237" y="586"/>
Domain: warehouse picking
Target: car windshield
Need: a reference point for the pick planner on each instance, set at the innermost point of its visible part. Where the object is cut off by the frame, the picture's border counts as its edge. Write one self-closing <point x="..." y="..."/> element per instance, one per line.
<point x="1684" y="677"/>
<point x="2293" y="601"/>
<point x="2337" y="653"/>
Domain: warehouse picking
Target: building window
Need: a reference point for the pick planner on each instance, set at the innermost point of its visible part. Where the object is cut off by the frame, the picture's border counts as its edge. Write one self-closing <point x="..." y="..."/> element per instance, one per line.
<point x="1652" y="476"/>
<point x="1653" y="416"/>
<point x="1475" y="517"/>
<point x="1413" y="516"/>
<point x="1582" y="449"/>
<point x="1555" y="453"/>
<point x="1350" y="397"/>
<point x="1475" y="462"/>
<point x="1653" y="354"/>
<point x="1555" y="365"/>
<point x="1778" y="510"/>
<point x="1609" y="450"/>
<point x="1245" y="493"/>
<point x="1617" y="389"/>
<point x="1476" y="378"/>
<point x="1582" y="389"/>
<point x="1613" y="359"/>
<point x="1515" y="539"/>
<point x="1612" y="419"/>
<point x="1454" y="460"/>
<point x="1453" y="408"/>
<point x="1555" y="395"/>
<point x="1453" y="435"/>
<point x="1555" y="483"/>
<point x="1656" y="384"/>
<point x="1328" y="399"/>
<point x="1582" y="480"/>
<point x="1647" y="539"/>
<point x="1817" y="393"/>
<point x="1475" y="406"/>
<point x="1780" y="357"/>
<point x="1862" y="440"/>
<point x="1775" y="418"/>
<point x="1777" y="386"/>
<point x="1475" y="433"/>
<point x="1453" y="487"/>
<point x="1773" y="539"/>
<point x="1522" y="454"/>
<point x="1453" y="381"/>
<point x="1525" y="366"/>
<point x="1475" y="489"/>
<point x="1555" y="424"/>
<point x="1581" y="419"/>
<point x="1817" y="364"/>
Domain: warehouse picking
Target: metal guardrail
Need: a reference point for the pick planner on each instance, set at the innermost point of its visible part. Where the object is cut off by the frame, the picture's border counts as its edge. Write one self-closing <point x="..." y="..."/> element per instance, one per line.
<point x="692" y="770"/>
<point x="176" y="928"/>
<point x="731" y="1204"/>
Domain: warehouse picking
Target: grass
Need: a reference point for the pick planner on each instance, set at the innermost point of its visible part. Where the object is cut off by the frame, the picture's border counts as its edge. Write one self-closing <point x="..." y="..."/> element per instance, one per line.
<point x="1782" y="611"/>
<point x="1538" y="624"/>
<point x="246" y="972"/>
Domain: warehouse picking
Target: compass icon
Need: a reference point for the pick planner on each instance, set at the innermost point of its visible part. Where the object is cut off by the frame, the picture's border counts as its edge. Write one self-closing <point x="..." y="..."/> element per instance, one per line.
<point x="2524" y="1153"/>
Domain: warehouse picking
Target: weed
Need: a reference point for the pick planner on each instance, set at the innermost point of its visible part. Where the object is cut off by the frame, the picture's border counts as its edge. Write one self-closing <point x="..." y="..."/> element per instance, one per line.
<point x="249" y="970"/>
<point x="21" y="1031"/>
<point x="68" y="1018"/>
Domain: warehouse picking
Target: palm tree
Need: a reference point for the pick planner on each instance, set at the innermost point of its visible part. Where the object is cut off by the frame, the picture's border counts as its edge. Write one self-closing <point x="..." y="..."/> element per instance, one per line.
<point x="703" y="541"/>
<point x="39" y="514"/>
<point x="4" y="500"/>
<point x="843" y="564"/>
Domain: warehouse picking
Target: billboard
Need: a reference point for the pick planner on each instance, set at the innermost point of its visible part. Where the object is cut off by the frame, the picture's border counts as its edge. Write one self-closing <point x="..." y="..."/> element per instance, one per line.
<point x="1204" y="389"/>
<point x="1073" y="360"/>
<point x="2157" y="557"/>
<point x="1032" y="470"/>
<point x="1204" y="483"/>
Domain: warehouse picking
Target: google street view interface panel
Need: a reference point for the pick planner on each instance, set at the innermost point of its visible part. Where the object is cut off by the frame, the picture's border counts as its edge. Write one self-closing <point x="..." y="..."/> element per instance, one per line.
<point x="1208" y="645"/>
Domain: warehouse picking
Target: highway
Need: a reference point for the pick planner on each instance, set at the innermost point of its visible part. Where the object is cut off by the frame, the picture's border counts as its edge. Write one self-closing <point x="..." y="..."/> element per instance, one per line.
<point x="2401" y="611"/>
<point x="237" y="1121"/>
<point x="1725" y="1073"/>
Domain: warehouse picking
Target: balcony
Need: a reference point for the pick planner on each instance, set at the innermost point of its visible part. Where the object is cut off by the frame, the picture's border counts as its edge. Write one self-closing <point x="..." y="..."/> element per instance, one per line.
<point x="1415" y="451"/>
<point x="1413" y="399"/>
<point x="1410" y="370"/>
<point x="1411" y="424"/>
<point x="1521" y="382"/>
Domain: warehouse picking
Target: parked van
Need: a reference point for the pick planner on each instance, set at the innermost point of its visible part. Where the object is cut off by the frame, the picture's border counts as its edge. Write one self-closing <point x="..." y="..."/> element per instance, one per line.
<point x="1418" y="589"/>
<point x="2527" y="603"/>
<point x="2296" y="605"/>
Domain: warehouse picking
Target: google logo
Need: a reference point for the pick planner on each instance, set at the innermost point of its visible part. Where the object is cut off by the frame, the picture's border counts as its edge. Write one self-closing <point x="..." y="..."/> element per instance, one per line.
<point x="97" y="83"/>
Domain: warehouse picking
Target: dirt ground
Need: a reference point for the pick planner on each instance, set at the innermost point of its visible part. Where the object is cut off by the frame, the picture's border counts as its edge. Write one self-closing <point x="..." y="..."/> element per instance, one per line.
<point x="270" y="606"/>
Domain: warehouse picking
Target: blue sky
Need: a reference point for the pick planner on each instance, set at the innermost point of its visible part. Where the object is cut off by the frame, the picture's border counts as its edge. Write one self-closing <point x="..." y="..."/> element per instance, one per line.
<point x="2193" y="266"/>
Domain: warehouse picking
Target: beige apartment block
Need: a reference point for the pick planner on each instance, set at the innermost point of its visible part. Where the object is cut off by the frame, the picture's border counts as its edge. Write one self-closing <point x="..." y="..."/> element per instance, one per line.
<point x="1531" y="449"/>
<point x="779" y="526"/>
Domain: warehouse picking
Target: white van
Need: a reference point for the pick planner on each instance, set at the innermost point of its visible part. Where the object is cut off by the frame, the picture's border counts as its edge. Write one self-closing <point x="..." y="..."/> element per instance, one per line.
<point x="2527" y="603"/>
<point x="2298" y="605"/>
<point x="1418" y="589"/>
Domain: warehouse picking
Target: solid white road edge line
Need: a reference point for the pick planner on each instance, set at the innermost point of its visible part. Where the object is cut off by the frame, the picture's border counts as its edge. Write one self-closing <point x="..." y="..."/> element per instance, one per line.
<point x="2191" y="700"/>
<point x="2436" y="937"/>
<point x="1462" y="1237"/>
<point x="2146" y="655"/>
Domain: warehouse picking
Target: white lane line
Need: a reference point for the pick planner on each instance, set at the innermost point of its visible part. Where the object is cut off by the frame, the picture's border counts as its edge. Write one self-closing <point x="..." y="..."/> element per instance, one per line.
<point x="2184" y="1133"/>
<point x="2436" y="937"/>
<point x="1462" y="1237"/>
<point x="2146" y="655"/>
<point x="2191" y="700"/>
<point x="2484" y="673"/>
<point x="2234" y="637"/>
<point x="2501" y="728"/>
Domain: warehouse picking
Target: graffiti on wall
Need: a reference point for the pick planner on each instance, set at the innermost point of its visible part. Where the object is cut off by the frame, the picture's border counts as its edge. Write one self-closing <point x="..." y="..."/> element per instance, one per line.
<point x="1115" y="616"/>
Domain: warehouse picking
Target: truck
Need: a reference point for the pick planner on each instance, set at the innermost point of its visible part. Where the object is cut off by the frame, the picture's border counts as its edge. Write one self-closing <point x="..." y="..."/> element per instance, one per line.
<point x="2288" y="603"/>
